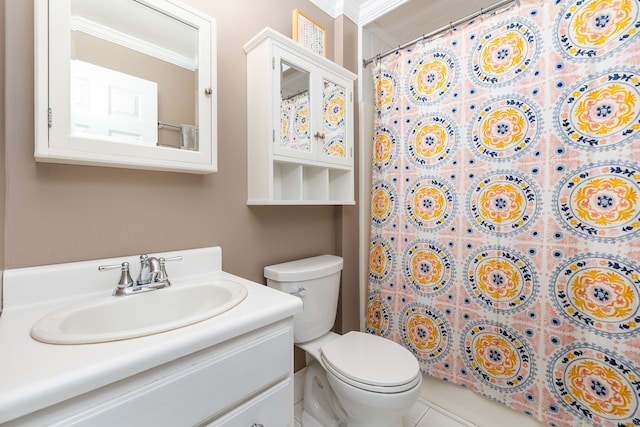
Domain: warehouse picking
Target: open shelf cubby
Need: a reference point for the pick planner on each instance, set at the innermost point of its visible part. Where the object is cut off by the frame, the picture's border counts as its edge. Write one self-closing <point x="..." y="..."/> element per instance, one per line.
<point x="287" y="181"/>
<point x="295" y="183"/>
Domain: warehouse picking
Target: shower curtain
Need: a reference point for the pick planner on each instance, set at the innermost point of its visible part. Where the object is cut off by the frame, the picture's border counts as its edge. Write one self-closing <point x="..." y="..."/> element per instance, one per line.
<point x="505" y="208"/>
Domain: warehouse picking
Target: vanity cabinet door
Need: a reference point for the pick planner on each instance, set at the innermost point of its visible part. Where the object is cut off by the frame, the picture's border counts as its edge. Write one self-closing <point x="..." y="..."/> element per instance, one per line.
<point x="271" y="408"/>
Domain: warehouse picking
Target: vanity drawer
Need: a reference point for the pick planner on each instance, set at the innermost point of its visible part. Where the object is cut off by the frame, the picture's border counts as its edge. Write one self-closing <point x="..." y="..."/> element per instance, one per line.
<point x="270" y="409"/>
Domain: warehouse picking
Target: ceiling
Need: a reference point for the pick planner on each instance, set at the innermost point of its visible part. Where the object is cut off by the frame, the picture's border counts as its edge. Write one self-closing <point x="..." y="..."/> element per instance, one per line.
<point x="400" y="21"/>
<point x="415" y="18"/>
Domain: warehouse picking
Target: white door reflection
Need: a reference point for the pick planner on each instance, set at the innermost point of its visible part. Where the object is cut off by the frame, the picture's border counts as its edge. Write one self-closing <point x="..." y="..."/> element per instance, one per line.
<point x="113" y="106"/>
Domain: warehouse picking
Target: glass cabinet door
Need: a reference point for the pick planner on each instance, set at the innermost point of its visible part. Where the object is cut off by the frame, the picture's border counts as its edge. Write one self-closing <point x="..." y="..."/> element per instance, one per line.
<point x="294" y="107"/>
<point x="313" y="112"/>
<point x="333" y="136"/>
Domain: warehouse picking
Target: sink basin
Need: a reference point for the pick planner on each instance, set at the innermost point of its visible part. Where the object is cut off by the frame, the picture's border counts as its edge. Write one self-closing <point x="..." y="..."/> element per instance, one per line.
<point x="112" y="318"/>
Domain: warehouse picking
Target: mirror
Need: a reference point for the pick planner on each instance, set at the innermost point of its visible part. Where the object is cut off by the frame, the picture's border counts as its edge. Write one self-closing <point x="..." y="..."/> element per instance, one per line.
<point x="333" y="118"/>
<point x="130" y="83"/>
<point x="294" y="108"/>
<point x="133" y="74"/>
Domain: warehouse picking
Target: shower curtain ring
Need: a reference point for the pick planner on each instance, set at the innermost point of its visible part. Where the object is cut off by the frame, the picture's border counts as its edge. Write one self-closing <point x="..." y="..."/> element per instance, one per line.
<point x="450" y="25"/>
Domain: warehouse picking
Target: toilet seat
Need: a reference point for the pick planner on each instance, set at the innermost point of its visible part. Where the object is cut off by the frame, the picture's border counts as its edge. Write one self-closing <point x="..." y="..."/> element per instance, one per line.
<point x="371" y="363"/>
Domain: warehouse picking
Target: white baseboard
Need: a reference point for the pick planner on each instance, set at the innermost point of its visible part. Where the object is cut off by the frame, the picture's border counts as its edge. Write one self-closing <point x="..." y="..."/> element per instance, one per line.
<point x="449" y="414"/>
<point x="298" y="385"/>
<point x="462" y="404"/>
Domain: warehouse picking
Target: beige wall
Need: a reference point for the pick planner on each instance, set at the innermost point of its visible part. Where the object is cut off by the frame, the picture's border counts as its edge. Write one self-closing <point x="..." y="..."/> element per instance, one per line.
<point x="60" y="213"/>
<point x="2" y="141"/>
<point x="348" y="318"/>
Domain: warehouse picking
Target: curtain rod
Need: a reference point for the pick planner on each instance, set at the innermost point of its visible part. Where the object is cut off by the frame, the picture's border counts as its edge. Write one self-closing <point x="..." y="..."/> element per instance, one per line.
<point x="439" y="31"/>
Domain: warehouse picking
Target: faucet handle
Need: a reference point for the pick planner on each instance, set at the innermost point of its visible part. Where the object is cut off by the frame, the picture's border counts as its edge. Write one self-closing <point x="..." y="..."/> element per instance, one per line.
<point x="162" y="274"/>
<point x="163" y="271"/>
<point x="125" y="278"/>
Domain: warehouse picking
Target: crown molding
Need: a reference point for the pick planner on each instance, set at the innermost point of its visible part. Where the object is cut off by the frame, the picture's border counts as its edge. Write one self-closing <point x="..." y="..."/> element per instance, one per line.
<point x="333" y="8"/>
<point x="351" y="9"/>
<point x="114" y="36"/>
<point x="373" y="9"/>
<point x="359" y="11"/>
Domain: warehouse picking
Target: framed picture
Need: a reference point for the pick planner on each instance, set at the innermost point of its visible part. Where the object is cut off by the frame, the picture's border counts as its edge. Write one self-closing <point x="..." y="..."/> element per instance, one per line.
<point x="309" y="33"/>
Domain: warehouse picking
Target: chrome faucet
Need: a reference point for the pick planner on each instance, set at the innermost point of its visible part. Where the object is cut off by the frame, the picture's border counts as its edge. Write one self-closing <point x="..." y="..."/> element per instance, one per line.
<point x="152" y="275"/>
<point x="149" y="269"/>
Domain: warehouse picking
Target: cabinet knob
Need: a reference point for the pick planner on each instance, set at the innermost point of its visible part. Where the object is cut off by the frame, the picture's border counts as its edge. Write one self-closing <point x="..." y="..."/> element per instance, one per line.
<point x="257" y="425"/>
<point x="208" y="91"/>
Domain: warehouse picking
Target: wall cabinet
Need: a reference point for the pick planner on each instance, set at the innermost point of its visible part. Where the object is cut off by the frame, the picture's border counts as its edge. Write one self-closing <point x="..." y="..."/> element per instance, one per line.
<point x="300" y="125"/>
<point x="128" y="84"/>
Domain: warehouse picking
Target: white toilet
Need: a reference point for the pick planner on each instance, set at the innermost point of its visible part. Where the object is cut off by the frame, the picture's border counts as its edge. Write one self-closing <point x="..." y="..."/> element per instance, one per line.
<point x="353" y="380"/>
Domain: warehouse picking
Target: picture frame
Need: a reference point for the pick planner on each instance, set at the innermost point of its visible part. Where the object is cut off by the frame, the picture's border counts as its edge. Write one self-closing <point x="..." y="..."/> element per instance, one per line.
<point x="309" y="33"/>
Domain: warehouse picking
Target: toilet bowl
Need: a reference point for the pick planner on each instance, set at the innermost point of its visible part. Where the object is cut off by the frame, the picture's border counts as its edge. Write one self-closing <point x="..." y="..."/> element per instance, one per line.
<point x="351" y="380"/>
<point x="375" y="380"/>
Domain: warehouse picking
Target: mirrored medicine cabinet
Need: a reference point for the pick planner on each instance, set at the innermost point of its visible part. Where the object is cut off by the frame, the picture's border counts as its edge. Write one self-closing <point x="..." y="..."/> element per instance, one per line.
<point x="125" y="83"/>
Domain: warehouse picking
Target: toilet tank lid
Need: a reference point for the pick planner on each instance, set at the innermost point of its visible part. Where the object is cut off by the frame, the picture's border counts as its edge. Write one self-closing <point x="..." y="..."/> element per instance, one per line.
<point x="304" y="269"/>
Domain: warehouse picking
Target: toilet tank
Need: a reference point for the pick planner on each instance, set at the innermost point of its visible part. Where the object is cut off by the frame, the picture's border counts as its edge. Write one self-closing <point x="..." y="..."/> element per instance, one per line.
<point x="316" y="281"/>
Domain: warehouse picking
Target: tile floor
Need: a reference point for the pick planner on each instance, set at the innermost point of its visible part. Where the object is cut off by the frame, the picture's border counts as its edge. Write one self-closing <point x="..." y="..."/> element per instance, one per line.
<point x="422" y="414"/>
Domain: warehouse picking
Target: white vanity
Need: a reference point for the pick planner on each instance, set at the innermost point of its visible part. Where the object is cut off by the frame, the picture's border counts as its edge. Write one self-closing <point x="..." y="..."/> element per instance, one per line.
<point x="233" y="369"/>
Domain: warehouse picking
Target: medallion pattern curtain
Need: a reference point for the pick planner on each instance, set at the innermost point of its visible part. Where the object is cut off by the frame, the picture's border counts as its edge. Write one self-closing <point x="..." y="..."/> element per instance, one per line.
<point x="505" y="212"/>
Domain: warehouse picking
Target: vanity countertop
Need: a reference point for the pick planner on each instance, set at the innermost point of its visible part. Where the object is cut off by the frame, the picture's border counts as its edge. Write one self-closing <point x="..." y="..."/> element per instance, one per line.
<point x="35" y="375"/>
